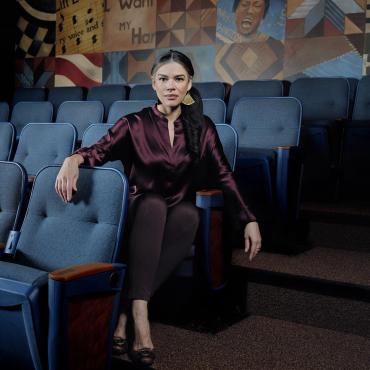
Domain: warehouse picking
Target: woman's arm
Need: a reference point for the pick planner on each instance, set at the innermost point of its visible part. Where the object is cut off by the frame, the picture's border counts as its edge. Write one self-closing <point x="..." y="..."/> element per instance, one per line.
<point x="234" y="202"/>
<point x="107" y="148"/>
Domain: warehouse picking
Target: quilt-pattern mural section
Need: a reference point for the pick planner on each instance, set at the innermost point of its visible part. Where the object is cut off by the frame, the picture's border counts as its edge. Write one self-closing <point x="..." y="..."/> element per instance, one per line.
<point x="92" y="42"/>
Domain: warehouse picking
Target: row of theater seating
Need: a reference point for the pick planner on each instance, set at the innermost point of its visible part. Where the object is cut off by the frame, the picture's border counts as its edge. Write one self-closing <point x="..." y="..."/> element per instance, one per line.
<point x="333" y="146"/>
<point x="309" y="90"/>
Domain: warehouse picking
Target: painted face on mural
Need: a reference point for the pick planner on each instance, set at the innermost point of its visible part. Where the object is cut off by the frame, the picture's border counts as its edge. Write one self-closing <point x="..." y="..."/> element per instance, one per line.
<point x="171" y="83"/>
<point x="249" y="14"/>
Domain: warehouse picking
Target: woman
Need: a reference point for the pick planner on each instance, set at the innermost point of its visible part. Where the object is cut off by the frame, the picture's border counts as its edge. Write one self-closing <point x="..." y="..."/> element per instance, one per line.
<point x="168" y="151"/>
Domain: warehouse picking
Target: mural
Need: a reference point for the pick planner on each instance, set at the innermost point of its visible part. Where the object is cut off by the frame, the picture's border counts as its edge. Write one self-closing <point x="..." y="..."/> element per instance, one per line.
<point x="35" y="33"/>
<point x="324" y="38"/>
<point x="250" y="21"/>
<point x="129" y="24"/>
<point x="79" y="69"/>
<point x="79" y="26"/>
<point x="186" y="22"/>
<point x="116" y="41"/>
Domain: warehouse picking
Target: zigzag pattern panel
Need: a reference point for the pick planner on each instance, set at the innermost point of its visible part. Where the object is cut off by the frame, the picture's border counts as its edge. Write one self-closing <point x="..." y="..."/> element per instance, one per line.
<point x="185" y="22"/>
<point x="79" y="69"/>
<point x="35" y="31"/>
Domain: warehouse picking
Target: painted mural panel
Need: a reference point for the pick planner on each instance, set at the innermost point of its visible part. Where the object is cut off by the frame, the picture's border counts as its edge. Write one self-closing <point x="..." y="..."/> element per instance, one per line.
<point x="79" y="70"/>
<point x="366" y="56"/>
<point x="250" y="61"/>
<point x="186" y="22"/>
<point x="240" y="21"/>
<point x="79" y="26"/>
<point x="35" y="72"/>
<point x="324" y="38"/>
<point x="35" y="29"/>
<point x="129" y="24"/>
<point x="134" y="66"/>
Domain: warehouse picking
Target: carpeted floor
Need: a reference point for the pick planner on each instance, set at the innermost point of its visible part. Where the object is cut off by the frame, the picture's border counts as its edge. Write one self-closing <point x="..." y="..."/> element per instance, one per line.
<point x="318" y="263"/>
<point x="258" y="343"/>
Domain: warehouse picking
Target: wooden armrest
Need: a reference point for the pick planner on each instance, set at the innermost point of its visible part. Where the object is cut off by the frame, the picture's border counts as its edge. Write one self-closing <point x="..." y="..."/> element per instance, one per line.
<point x="283" y="147"/>
<point x="209" y="192"/>
<point x="2" y="246"/>
<point x="79" y="271"/>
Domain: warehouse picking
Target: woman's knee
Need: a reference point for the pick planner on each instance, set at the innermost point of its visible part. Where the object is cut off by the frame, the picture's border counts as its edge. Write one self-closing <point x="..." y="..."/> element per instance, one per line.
<point x="186" y="216"/>
<point x="152" y="204"/>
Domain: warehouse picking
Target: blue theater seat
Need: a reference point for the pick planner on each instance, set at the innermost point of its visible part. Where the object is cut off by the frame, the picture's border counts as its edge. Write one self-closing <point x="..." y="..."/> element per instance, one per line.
<point x="59" y="295"/>
<point x="4" y="111"/>
<point x="354" y="176"/>
<point x="142" y="92"/>
<point x="13" y="185"/>
<point x="27" y="112"/>
<point x="211" y="90"/>
<point x="28" y="94"/>
<point x="215" y="109"/>
<point x="43" y="144"/>
<point x="95" y="132"/>
<point x="81" y="114"/>
<point x="59" y="94"/>
<point x="121" y="108"/>
<point x="108" y="94"/>
<point x="7" y="140"/>
<point x="252" y="88"/>
<point x="325" y="107"/>
<point x="268" y="168"/>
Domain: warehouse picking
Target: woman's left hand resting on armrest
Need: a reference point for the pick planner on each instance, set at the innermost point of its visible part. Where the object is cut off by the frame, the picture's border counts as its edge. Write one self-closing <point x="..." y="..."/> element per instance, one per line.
<point x="253" y="240"/>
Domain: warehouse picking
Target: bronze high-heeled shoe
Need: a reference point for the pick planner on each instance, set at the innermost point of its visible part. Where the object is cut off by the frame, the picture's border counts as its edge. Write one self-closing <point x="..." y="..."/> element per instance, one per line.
<point x="120" y="346"/>
<point x="143" y="357"/>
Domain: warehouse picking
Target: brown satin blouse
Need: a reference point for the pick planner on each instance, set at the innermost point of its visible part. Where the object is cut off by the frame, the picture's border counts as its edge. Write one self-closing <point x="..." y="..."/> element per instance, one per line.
<point x="141" y="141"/>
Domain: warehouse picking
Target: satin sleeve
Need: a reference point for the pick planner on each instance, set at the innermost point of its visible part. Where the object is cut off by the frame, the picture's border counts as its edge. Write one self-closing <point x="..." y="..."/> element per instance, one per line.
<point x="109" y="147"/>
<point x="223" y="176"/>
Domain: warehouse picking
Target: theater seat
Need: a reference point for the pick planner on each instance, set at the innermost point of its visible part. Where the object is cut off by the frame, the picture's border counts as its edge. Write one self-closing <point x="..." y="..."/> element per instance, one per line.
<point x="268" y="167"/>
<point x="121" y="108"/>
<point x="95" y="132"/>
<point x="13" y="185"/>
<point x="7" y="140"/>
<point x="59" y="295"/>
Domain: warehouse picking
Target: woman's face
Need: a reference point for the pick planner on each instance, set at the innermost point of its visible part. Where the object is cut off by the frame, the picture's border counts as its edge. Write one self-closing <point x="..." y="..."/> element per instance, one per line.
<point x="249" y="14"/>
<point x="171" y="83"/>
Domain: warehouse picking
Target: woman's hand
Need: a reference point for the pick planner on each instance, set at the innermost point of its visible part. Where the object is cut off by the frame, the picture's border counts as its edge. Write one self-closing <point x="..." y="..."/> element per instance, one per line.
<point x="66" y="180"/>
<point x="253" y="240"/>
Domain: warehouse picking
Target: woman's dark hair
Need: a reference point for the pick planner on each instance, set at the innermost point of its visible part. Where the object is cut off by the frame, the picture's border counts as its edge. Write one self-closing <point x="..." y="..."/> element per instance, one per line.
<point x="192" y="115"/>
<point x="267" y="4"/>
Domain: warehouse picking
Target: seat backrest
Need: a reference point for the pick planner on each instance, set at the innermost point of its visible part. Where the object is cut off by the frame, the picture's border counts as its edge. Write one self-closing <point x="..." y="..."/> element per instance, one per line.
<point x="210" y="90"/>
<point x="322" y="98"/>
<point x="81" y="114"/>
<point x="215" y="109"/>
<point x="229" y="140"/>
<point x="142" y="92"/>
<point x="252" y="88"/>
<point x="56" y="234"/>
<point x="28" y="94"/>
<point x="4" y="111"/>
<point x="108" y="94"/>
<point x="59" y="94"/>
<point x="13" y="184"/>
<point x="361" y="105"/>
<point x="121" y="108"/>
<point x="43" y="144"/>
<point x="267" y="122"/>
<point x="26" y="112"/>
<point x="93" y="134"/>
<point x="7" y="138"/>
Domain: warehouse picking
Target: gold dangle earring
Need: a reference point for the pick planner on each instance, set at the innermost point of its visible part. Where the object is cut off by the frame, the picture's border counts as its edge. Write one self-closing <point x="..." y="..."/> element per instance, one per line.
<point x="188" y="99"/>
